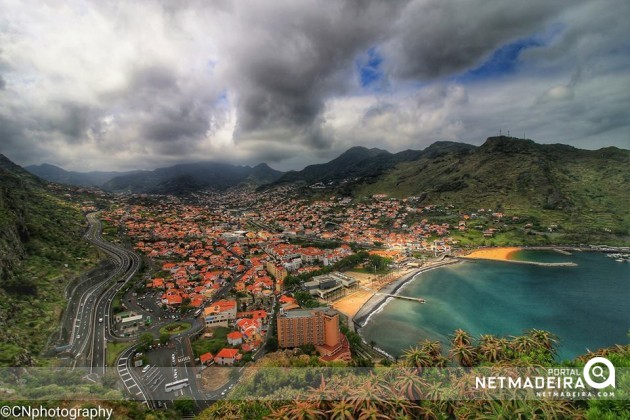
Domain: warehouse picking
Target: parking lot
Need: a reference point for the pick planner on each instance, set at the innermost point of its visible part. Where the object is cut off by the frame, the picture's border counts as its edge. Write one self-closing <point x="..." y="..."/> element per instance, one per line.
<point x="166" y="365"/>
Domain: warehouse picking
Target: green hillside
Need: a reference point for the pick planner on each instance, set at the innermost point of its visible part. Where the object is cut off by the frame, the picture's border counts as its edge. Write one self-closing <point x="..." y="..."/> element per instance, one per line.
<point x="583" y="191"/>
<point x="41" y="248"/>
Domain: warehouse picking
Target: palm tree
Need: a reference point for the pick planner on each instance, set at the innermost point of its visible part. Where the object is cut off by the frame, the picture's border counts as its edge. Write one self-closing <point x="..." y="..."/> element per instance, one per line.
<point x="320" y="394"/>
<point x="409" y="384"/>
<point x="464" y="354"/>
<point x="341" y="410"/>
<point x="490" y="348"/>
<point x="434" y="350"/>
<point x="368" y="395"/>
<point x="304" y="410"/>
<point x="523" y="344"/>
<point x="417" y="357"/>
<point x="461" y="337"/>
<point x="544" y="339"/>
<point x="372" y="413"/>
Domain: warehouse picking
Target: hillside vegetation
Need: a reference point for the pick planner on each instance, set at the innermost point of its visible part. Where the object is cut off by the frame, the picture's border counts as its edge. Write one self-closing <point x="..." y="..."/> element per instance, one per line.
<point x="287" y="386"/>
<point x="41" y="248"/>
<point x="583" y="190"/>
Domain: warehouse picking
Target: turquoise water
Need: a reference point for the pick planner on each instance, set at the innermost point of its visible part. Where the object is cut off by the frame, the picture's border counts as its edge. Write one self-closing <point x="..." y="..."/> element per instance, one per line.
<point x="587" y="307"/>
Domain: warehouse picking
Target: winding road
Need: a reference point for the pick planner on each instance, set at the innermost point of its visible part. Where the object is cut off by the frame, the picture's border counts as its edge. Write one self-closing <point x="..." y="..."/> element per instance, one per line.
<point x="92" y="301"/>
<point x="92" y="326"/>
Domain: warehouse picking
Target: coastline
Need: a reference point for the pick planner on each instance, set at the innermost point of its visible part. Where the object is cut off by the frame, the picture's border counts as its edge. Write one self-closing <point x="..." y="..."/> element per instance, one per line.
<point x="496" y="254"/>
<point x="505" y="254"/>
<point x="377" y="301"/>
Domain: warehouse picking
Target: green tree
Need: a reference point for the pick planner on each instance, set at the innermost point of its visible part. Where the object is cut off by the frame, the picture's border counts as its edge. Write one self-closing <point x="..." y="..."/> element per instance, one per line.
<point x="146" y="340"/>
<point x="184" y="405"/>
<point x="165" y="338"/>
<point x="308" y="349"/>
<point x="272" y="344"/>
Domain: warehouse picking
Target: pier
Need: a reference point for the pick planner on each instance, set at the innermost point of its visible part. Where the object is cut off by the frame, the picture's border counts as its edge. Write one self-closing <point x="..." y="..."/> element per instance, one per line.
<point x="419" y="300"/>
<point x="562" y="251"/>
<point x="544" y="264"/>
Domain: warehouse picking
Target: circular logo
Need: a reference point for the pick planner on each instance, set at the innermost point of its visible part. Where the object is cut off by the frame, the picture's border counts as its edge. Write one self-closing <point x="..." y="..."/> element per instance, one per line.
<point x="593" y="370"/>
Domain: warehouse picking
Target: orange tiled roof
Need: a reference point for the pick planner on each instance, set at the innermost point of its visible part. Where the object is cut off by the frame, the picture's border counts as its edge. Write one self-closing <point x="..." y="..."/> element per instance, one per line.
<point x="206" y="357"/>
<point x="234" y="335"/>
<point x="227" y="353"/>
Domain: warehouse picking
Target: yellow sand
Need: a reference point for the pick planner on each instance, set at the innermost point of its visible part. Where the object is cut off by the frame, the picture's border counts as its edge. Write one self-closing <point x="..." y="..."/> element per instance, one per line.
<point x="350" y="305"/>
<point x="501" y="254"/>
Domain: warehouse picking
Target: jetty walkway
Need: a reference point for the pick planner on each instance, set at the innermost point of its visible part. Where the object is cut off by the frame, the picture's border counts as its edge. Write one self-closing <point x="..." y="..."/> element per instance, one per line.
<point x="420" y="300"/>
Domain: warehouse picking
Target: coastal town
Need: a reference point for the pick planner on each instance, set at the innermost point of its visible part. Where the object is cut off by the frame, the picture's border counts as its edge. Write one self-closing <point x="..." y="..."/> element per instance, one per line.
<point x="233" y="279"/>
<point x="261" y="271"/>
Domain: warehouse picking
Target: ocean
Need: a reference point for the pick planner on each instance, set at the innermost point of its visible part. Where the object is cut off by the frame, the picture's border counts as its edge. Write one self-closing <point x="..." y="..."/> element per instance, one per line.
<point x="586" y="307"/>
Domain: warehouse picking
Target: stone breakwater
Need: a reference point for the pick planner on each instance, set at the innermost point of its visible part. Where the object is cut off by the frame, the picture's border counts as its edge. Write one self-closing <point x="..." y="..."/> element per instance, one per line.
<point x="542" y="264"/>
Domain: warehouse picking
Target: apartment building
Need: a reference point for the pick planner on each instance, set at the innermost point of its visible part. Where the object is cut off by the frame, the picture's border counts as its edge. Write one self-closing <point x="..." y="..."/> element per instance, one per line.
<point x="220" y="313"/>
<point x="319" y="326"/>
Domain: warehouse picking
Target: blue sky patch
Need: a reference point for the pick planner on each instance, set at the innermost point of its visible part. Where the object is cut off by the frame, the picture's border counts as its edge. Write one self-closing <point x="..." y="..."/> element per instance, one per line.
<point x="369" y="68"/>
<point x="502" y="61"/>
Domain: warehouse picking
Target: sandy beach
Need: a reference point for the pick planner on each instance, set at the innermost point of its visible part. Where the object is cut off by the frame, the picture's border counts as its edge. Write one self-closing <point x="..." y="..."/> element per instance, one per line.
<point x="500" y="254"/>
<point x="360" y="304"/>
<point x="350" y="305"/>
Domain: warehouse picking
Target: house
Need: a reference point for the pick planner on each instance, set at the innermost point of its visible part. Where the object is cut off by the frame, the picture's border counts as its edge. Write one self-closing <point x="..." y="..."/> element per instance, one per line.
<point x="249" y="347"/>
<point x="234" y="338"/>
<point x="227" y="357"/>
<point x="220" y="312"/>
<point x="286" y="299"/>
<point x="248" y="327"/>
<point x="206" y="359"/>
<point x="173" y="300"/>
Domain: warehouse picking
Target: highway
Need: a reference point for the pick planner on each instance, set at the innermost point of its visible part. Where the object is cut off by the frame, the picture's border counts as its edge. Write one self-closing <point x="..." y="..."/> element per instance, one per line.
<point x="92" y="323"/>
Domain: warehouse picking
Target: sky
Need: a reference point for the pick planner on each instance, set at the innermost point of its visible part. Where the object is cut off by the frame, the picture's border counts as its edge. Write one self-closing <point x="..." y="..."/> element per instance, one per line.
<point x="120" y="85"/>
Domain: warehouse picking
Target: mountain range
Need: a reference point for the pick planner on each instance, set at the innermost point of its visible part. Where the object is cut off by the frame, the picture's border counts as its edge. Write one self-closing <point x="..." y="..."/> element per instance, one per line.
<point x="177" y="179"/>
<point x="572" y="186"/>
<point x="359" y="164"/>
<point x="582" y="190"/>
<point x="82" y="179"/>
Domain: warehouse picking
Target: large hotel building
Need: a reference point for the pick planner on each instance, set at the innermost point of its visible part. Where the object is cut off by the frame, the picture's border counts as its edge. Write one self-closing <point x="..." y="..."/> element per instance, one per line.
<point x="319" y="326"/>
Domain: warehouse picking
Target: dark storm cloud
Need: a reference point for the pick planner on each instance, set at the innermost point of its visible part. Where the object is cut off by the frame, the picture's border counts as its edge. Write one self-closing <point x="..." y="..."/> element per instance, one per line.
<point x="10" y="132"/>
<point x="171" y="110"/>
<point x="289" y="58"/>
<point x="285" y="81"/>
<point x="72" y="120"/>
<point x="189" y="120"/>
<point x="435" y="38"/>
<point x="153" y="78"/>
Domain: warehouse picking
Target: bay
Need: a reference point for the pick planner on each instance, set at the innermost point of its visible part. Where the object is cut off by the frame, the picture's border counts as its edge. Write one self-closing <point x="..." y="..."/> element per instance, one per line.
<point x="586" y="307"/>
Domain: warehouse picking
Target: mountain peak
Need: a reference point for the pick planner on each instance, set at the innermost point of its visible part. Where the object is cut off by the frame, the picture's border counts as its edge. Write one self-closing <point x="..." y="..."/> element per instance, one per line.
<point x="262" y="165"/>
<point x="360" y="152"/>
<point x="363" y="149"/>
<point x="442" y="147"/>
<point x="505" y="144"/>
<point x="10" y="166"/>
